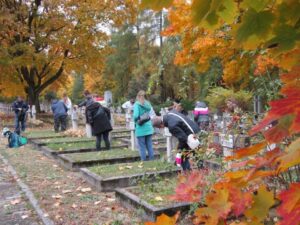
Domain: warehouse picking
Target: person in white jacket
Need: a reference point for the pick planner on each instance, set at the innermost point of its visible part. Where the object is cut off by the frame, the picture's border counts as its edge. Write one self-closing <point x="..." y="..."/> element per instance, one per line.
<point x="128" y="106"/>
<point x="68" y="103"/>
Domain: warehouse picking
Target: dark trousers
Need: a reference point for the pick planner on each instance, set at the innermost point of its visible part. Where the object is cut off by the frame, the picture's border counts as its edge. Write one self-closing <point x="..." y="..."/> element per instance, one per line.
<point x="185" y="163"/>
<point x="19" y="120"/>
<point x="106" y="140"/>
<point x="60" y="121"/>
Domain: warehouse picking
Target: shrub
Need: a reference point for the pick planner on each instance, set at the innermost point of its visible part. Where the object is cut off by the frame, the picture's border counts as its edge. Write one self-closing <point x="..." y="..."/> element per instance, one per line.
<point x="218" y="97"/>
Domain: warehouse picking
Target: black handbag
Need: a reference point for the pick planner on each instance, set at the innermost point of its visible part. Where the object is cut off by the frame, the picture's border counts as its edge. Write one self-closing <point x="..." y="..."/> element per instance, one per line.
<point x="143" y="118"/>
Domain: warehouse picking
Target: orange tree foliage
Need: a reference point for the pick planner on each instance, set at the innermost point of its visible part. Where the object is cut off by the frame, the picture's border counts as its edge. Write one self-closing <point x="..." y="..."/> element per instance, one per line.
<point x="43" y="41"/>
<point x="237" y="33"/>
<point x="234" y="30"/>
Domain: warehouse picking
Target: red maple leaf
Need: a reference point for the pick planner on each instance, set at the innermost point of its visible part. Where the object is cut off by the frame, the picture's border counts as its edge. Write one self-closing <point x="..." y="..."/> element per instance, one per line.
<point x="190" y="187"/>
<point x="289" y="209"/>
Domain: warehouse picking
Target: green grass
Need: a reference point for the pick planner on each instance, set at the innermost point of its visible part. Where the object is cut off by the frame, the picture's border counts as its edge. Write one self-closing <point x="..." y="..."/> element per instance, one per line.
<point x="77" y="145"/>
<point x="131" y="168"/>
<point x="156" y="193"/>
<point x="41" y="133"/>
<point x="114" y="153"/>
<point x="65" y="139"/>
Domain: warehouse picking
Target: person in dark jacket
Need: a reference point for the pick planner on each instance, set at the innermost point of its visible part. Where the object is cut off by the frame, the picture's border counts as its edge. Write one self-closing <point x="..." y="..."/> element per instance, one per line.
<point x="20" y="108"/>
<point x="99" y="118"/>
<point x="59" y="110"/>
<point x="178" y="128"/>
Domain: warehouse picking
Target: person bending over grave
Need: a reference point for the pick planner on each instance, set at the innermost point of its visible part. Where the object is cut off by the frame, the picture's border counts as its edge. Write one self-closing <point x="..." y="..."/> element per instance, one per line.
<point x="59" y="110"/>
<point x="20" y="108"/>
<point x="98" y="117"/>
<point x="181" y="127"/>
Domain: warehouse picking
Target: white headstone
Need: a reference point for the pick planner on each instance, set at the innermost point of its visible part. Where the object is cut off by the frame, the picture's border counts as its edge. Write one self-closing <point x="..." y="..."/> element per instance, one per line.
<point x="33" y="111"/>
<point x="108" y="97"/>
<point x="88" y="129"/>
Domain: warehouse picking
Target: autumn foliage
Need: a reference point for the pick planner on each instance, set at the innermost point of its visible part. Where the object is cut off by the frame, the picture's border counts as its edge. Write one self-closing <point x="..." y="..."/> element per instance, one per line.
<point x="250" y="37"/>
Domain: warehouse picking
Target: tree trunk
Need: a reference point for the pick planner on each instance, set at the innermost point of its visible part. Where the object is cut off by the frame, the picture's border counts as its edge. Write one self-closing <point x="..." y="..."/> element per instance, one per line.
<point x="33" y="99"/>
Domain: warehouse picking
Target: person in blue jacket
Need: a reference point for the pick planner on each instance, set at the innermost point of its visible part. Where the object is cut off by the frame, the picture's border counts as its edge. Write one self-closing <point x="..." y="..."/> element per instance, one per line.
<point x="143" y="126"/>
<point x="20" y="108"/>
<point x="59" y="110"/>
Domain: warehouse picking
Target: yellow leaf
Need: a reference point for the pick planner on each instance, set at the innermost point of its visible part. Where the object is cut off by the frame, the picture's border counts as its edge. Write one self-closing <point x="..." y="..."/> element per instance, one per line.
<point x="206" y="215"/>
<point x="291" y="158"/>
<point x="262" y="202"/>
<point x="158" y="198"/>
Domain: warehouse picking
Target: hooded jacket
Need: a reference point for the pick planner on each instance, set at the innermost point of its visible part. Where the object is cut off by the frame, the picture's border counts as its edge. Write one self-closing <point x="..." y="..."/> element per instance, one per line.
<point x="99" y="117"/>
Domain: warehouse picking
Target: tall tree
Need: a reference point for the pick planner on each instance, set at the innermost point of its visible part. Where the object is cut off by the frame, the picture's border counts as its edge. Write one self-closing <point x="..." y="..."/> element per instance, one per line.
<point x="42" y="41"/>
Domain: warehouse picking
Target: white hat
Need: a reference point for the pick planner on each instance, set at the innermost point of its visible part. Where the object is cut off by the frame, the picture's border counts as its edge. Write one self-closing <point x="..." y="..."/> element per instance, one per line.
<point x="4" y="131"/>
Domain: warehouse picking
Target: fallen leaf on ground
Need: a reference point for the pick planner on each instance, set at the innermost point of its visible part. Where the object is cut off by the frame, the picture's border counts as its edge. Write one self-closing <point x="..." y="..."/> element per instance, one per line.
<point x="86" y="190"/>
<point x="97" y="203"/>
<point x="121" y="168"/>
<point x="78" y="188"/>
<point x="57" y="196"/>
<point x="56" y="204"/>
<point x="57" y="217"/>
<point x="66" y="191"/>
<point x="74" y="206"/>
<point x="128" y="167"/>
<point x="16" y="201"/>
<point x="78" y="195"/>
<point x="24" y="217"/>
<point x="55" y="165"/>
<point x="111" y="199"/>
<point x="46" y="215"/>
<point x="140" y="166"/>
<point x="158" y="198"/>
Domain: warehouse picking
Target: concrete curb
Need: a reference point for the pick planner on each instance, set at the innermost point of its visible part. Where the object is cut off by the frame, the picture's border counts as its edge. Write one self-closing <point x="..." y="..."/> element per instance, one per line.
<point x="28" y="194"/>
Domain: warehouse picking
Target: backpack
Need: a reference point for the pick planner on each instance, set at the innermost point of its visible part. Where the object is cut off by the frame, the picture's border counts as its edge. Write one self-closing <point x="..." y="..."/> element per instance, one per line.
<point x="15" y="140"/>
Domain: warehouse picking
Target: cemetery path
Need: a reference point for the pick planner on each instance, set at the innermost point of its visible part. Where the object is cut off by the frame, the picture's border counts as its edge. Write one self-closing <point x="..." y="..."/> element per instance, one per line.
<point x="14" y="207"/>
<point x="63" y="195"/>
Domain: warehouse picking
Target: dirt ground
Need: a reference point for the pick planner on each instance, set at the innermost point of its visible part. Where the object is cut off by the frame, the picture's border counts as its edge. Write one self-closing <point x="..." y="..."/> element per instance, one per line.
<point x="66" y="198"/>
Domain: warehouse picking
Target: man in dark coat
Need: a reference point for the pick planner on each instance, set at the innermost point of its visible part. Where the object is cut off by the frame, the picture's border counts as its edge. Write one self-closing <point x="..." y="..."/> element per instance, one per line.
<point x="20" y="108"/>
<point x="178" y="128"/>
<point x="59" y="110"/>
<point x="99" y="118"/>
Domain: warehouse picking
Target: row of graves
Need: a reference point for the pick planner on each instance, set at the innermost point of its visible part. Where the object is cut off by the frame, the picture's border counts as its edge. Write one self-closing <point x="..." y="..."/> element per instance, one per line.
<point x="144" y="186"/>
